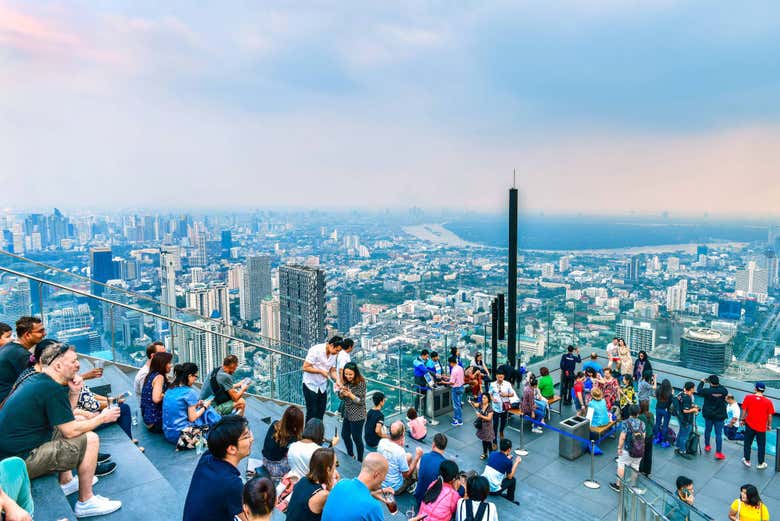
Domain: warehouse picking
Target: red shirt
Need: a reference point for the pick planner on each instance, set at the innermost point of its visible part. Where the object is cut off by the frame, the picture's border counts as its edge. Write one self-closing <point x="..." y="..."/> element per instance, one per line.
<point x="757" y="411"/>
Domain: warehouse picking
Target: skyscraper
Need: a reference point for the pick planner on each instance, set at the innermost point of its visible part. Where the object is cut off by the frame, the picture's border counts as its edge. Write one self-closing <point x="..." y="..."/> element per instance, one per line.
<point x="676" y="296"/>
<point x="548" y="270"/>
<point x="269" y="319"/>
<point x="101" y="268"/>
<point x="753" y="281"/>
<point x="705" y="350"/>
<point x="168" y="279"/>
<point x="673" y="264"/>
<point x="633" y="268"/>
<point x="256" y="286"/>
<point x="563" y="264"/>
<point x="772" y="268"/>
<point x="639" y="336"/>
<point x="199" y="254"/>
<point x="348" y="312"/>
<point x="301" y="322"/>
<point x="226" y="243"/>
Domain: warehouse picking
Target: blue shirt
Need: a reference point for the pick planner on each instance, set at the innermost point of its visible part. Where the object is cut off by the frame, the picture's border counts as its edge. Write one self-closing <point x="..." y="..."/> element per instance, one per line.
<point x="498" y="466"/>
<point x="600" y="414"/>
<point x="427" y="473"/>
<point x="174" y="412"/>
<point x="593" y="364"/>
<point x="350" y="500"/>
<point x="215" y="491"/>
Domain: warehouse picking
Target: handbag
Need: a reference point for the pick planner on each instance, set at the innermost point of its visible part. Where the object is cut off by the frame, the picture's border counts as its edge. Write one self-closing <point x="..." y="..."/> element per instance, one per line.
<point x="505" y="406"/>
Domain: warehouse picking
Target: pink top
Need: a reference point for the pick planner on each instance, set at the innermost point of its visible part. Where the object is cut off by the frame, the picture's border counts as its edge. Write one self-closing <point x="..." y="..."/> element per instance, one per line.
<point x="442" y="508"/>
<point x="456" y="376"/>
<point x="417" y="428"/>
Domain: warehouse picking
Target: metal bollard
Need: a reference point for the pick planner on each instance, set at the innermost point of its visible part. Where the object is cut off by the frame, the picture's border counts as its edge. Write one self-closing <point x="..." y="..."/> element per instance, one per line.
<point x="592" y="483"/>
<point x="777" y="452"/>
<point x="522" y="451"/>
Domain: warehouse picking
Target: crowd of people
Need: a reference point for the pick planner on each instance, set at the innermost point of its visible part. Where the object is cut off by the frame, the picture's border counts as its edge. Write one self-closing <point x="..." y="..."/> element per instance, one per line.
<point x="50" y="422"/>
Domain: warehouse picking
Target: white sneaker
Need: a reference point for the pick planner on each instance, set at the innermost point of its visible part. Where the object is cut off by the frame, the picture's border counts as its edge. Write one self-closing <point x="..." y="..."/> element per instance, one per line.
<point x="762" y="466"/>
<point x="96" y="506"/>
<point x="72" y="486"/>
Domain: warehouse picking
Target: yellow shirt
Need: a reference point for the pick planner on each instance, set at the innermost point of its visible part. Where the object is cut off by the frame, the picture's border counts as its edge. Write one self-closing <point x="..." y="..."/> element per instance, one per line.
<point x="748" y="513"/>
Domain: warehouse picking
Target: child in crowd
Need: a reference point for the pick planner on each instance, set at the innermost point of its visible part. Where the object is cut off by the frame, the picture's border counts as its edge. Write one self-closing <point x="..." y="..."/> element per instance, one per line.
<point x="416" y="424"/>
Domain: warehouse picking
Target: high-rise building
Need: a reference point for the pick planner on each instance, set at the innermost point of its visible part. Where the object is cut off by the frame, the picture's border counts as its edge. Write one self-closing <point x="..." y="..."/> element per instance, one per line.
<point x="639" y="336"/>
<point x="673" y="264"/>
<point x="101" y="268"/>
<point x="772" y="268"/>
<point x="168" y="278"/>
<point x="196" y="275"/>
<point x="18" y="301"/>
<point x="563" y="264"/>
<point x="210" y="301"/>
<point x="226" y="242"/>
<point x="753" y="281"/>
<point x="301" y="322"/>
<point x="202" y="346"/>
<point x="729" y="309"/>
<point x="705" y="350"/>
<point x="676" y="296"/>
<point x="633" y="268"/>
<point x="702" y="249"/>
<point x="348" y="312"/>
<point x="269" y="319"/>
<point x="548" y="270"/>
<point x="255" y="287"/>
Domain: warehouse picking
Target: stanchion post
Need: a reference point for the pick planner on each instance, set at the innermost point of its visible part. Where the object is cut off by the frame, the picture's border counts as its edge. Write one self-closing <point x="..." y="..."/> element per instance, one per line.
<point x="522" y="451"/>
<point x="592" y="483"/>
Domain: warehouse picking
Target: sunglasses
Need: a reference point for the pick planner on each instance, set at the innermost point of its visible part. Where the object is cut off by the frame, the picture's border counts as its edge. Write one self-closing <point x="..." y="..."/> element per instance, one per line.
<point x="64" y="348"/>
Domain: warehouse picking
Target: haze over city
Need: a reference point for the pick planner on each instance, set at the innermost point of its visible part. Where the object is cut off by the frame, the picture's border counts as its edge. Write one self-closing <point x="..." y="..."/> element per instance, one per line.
<point x="340" y="104"/>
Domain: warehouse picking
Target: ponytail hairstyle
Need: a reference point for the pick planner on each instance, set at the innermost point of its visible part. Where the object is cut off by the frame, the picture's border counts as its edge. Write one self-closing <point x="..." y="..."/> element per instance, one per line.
<point x="448" y="471"/>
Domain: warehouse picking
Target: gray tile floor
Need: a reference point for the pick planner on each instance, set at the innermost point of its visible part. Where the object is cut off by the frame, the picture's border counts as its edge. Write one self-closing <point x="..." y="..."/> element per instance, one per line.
<point x="550" y="487"/>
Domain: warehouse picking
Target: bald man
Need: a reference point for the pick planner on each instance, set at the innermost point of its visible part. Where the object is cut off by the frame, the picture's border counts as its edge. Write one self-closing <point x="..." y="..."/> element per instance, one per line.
<point x="402" y="466"/>
<point x="356" y="499"/>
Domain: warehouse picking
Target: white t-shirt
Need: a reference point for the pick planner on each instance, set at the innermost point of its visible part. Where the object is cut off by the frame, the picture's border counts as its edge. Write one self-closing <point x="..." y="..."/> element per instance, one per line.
<point x="299" y="455"/>
<point x="732" y="411"/>
<point x="342" y="359"/>
<point x="612" y="350"/>
<point x="496" y="398"/>
<point x="138" y="381"/>
<point x="319" y="358"/>
<point x="491" y="513"/>
<point x="396" y="463"/>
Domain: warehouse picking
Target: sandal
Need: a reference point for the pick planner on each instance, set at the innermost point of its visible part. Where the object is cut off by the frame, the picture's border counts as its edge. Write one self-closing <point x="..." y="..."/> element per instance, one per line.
<point x="141" y="449"/>
<point x="483" y="456"/>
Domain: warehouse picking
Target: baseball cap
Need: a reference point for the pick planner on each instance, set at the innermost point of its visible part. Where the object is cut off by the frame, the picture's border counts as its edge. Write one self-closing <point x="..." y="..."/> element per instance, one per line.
<point x="760" y="386"/>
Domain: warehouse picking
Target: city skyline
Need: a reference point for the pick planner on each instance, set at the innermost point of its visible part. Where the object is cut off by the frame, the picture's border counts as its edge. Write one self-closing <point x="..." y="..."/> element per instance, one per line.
<point x="435" y="104"/>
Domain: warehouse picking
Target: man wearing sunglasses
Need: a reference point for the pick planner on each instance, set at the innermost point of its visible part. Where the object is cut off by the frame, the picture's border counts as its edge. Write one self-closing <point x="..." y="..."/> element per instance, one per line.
<point x="38" y="426"/>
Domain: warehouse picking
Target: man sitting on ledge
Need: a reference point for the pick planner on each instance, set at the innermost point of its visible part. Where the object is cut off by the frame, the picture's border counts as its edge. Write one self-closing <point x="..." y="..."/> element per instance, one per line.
<point x="38" y="426"/>
<point x="227" y="395"/>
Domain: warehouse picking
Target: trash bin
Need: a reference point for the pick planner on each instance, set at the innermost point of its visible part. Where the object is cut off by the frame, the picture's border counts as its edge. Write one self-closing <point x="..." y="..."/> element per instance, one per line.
<point x="568" y="447"/>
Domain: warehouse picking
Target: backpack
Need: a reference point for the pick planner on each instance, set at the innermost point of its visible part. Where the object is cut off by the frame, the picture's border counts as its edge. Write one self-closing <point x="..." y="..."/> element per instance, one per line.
<point x="466" y="505"/>
<point x="635" y="438"/>
<point x="675" y="405"/>
<point x="220" y="395"/>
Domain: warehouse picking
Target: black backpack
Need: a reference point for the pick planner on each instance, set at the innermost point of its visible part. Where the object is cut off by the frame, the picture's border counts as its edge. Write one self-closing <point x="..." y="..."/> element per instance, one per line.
<point x="220" y="395"/>
<point x="675" y="405"/>
<point x="469" y="510"/>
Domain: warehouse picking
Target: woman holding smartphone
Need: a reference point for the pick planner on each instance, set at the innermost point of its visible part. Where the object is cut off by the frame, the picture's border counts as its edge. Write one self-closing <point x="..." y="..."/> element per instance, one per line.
<point x="185" y="417"/>
<point x="353" y="395"/>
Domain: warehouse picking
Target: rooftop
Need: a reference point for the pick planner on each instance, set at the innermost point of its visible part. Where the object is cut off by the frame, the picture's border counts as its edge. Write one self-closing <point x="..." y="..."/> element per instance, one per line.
<point x="549" y="486"/>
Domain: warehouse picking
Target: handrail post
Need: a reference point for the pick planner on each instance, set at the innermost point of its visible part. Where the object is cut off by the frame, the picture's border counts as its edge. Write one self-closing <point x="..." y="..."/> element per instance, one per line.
<point x="40" y="303"/>
<point x="113" y="333"/>
<point x="592" y="483"/>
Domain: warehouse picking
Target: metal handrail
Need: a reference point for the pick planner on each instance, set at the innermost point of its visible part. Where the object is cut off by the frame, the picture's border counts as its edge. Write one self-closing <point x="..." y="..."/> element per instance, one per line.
<point x="177" y="322"/>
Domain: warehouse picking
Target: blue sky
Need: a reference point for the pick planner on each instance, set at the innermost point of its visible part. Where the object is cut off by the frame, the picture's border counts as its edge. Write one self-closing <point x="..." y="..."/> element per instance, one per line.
<point x="602" y="106"/>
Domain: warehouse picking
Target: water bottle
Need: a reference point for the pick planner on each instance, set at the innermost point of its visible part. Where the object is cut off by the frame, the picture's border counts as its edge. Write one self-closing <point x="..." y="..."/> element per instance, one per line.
<point x="135" y="419"/>
<point x="200" y="446"/>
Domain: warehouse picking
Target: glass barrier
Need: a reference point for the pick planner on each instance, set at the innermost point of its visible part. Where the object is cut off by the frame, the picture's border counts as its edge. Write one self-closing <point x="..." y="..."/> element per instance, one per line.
<point x="119" y="330"/>
<point x="642" y="498"/>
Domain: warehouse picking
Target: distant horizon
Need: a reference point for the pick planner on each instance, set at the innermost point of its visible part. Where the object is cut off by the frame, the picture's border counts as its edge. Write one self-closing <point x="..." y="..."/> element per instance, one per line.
<point x="285" y="104"/>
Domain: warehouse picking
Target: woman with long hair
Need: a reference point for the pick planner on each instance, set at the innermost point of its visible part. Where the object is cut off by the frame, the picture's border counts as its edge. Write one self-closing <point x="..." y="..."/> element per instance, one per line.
<point x="353" y="395"/>
<point x="153" y="391"/>
<point x="185" y="417"/>
<point x="663" y="397"/>
<point x="312" y="490"/>
<point x="259" y="499"/>
<point x="749" y="506"/>
<point x="626" y="364"/>
<point x="441" y="499"/>
<point x="485" y="433"/>
<point x="641" y="366"/>
<point x="312" y="438"/>
<point x="278" y="438"/>
<point x="627" y="395"/>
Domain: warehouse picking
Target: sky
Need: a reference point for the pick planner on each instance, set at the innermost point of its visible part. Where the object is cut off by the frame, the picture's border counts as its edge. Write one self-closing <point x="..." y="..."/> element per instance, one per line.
<point x="600" y="106"/>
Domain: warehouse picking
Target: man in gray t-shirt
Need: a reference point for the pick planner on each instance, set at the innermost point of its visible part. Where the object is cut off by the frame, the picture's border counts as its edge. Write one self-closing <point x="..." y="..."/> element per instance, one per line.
<point x="224" y="379"/>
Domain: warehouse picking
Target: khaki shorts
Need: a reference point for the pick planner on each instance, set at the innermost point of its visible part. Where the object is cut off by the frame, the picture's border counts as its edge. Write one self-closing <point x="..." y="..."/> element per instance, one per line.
<point x="625" y="460"/>
<point x="58" y="455"/>
<point x="225" y="408"/>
